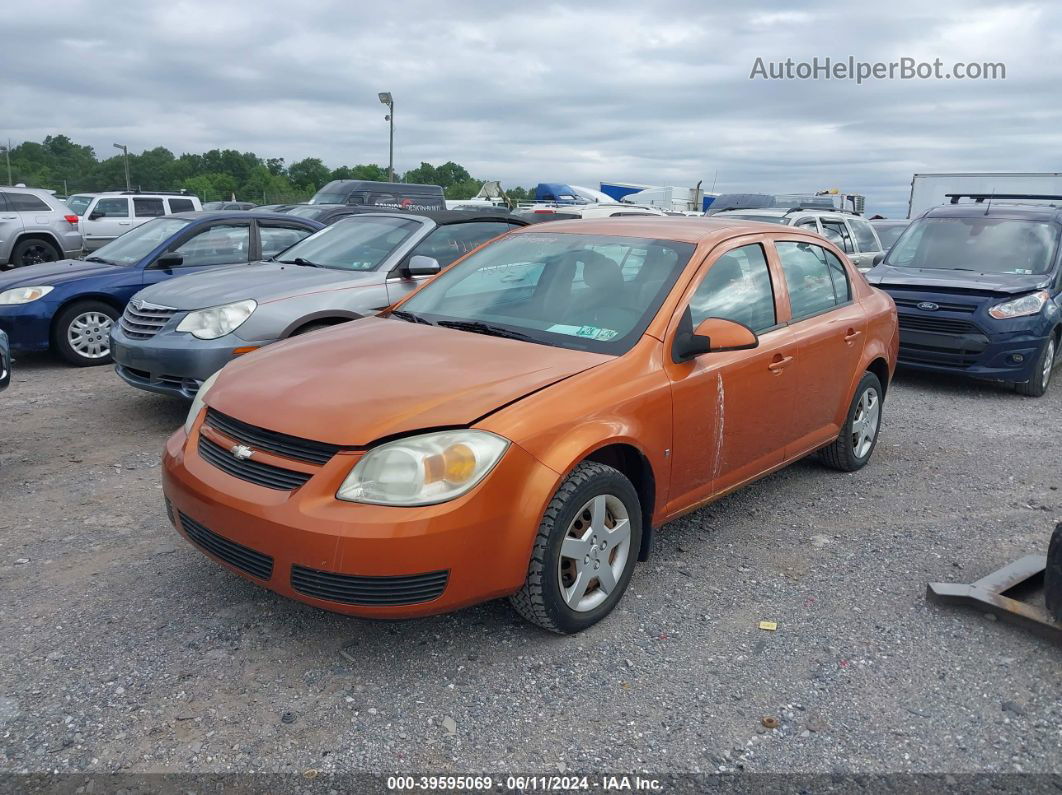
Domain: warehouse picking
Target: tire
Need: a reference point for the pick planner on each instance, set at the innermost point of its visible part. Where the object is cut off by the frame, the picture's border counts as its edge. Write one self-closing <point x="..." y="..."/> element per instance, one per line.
<point x="1045" y="363"/>
<point x="94" y="320"/>
<point x="1053" y="575"/>
<point x="591" y="490"/>
<point x="33" y="250"/>
<point x="849" y="452"/>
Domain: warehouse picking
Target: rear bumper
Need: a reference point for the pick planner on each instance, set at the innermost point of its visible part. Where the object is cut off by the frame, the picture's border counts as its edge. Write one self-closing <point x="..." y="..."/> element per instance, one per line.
<point x="361" y="559"/>
<point x="28" y="326"/>
<point x="172" y="364"/>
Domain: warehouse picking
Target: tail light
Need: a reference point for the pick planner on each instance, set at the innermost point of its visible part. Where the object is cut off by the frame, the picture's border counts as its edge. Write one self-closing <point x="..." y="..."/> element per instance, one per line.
<point x="545" y="212"/>
<point x="71" y="219"/>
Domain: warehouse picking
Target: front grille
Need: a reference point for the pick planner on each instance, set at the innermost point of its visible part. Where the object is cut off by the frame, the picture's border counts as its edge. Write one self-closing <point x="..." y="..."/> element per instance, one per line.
<point x="944" y="306"/>
<point x="255" y="563"/>
<point x="369" y="591"/>
<point x="940" y="325"/>
<point x="280" y="444"/>
<point x="145" y="322"/>
<point x="260" y="474"/>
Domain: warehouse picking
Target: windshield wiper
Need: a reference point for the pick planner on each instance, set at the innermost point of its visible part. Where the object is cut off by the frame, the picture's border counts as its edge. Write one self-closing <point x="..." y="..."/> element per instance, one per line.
<point x="100" y="259"/>
<point x="478" y="327"/>
<point x="300" y="261"/>
<point x="409" y="317"/>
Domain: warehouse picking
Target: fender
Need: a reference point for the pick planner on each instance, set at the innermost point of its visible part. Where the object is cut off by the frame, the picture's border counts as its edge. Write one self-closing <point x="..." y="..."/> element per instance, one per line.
<point x="338" y="315"/>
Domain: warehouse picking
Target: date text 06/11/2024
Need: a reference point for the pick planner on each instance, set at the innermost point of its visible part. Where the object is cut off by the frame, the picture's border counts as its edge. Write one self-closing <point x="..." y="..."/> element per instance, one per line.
<point x="540" y="783"/>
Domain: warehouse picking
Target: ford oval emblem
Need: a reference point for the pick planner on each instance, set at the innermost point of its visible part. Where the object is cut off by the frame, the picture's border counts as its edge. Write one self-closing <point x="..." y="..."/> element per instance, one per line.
<point x="928" y="306"/>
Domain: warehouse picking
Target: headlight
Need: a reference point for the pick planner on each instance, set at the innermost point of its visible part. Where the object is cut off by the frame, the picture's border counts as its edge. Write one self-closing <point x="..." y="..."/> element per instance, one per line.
<point x="423" y="470"/>
<point x="23" y="295"/>
<point x="197" y="402"/>
<point x="217" y="321"/>
<point x="1019" y="307"/>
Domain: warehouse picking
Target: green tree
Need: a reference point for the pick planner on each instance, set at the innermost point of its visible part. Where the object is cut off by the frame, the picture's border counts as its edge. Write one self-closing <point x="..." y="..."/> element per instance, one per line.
<point x="309" y="173"/>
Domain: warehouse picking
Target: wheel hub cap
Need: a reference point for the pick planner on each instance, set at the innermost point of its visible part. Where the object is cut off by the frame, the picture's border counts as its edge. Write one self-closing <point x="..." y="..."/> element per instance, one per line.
<point x="89" y="335"/>
<point x="594" y="553"/>
<point x="865" y="422"/>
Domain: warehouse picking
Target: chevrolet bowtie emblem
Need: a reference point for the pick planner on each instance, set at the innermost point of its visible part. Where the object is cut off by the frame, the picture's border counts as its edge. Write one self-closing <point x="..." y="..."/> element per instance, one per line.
<point x="241" y="452"/>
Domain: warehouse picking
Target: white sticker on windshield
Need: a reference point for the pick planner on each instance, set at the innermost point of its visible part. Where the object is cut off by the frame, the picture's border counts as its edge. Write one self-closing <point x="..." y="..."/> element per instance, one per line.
<point x="587" y="332"/>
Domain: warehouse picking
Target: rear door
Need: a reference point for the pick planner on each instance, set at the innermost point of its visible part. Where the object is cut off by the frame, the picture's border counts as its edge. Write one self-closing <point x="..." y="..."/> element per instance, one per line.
<point x="867" y="242"/>
<point x="10" y="228"/>
<point x="829" y="330"/>
<point x="106" y="220"/>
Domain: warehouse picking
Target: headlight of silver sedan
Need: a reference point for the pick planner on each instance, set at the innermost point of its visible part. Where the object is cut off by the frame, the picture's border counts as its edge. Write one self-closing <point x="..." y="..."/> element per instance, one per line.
<point x="423" y="470"/>
<point x="217" y="321"/>
<point x="23" y="295"/>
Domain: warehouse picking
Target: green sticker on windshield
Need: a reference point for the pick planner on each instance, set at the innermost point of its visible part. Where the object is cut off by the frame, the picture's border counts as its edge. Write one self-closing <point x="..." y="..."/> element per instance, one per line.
<point x="586" y="332"/>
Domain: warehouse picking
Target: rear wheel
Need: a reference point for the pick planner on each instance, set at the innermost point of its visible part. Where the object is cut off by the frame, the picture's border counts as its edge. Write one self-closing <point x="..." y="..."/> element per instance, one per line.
<point x="584" y="553"/>
<point x="82" y="333"/>
<point x="1045" y="364"/>
<point x="859" y="435"/>
<point x="32" y="251"/>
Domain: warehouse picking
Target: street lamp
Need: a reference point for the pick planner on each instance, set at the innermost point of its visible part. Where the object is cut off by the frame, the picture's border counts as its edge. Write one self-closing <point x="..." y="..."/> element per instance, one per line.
<point x="125" y="151"/>
<point x="388" y="100"/>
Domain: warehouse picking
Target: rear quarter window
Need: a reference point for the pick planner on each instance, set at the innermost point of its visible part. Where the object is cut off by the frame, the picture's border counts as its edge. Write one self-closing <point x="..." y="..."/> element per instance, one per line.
<point x="27" y="203"/>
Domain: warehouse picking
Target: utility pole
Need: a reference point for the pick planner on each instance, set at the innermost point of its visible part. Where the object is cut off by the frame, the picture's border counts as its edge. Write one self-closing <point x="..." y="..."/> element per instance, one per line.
<point x="388" y="100"/>
<point x="7" y="154"/>
<point x="125" y="151"/>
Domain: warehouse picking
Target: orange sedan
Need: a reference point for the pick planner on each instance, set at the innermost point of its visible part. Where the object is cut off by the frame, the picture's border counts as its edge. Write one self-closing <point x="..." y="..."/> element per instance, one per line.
<point x="521" y="424"/>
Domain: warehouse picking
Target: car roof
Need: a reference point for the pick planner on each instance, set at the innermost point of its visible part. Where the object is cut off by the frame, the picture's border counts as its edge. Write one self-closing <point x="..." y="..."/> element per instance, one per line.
<point x="683" y="229"/>
<point x="212" y="215"/>
<point x="444" y="217"/>
<point x="34" y="191"/>
<point x="997" y="209"/>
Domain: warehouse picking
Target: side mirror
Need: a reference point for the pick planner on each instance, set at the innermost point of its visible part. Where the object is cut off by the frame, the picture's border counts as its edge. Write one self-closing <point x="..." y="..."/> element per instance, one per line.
<point x="878" y="259"/>
<point x="96" y="215"/>
<point x="171" y="259"/>
<point x="419" y="265"/>
<point x="714" y="335"/>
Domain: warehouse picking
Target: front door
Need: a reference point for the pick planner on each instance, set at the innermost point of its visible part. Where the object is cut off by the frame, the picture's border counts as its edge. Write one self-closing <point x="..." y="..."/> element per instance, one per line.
<point x="226" y="243"/>
<point x="106" y="221"/>
<point x="731" y="410"/>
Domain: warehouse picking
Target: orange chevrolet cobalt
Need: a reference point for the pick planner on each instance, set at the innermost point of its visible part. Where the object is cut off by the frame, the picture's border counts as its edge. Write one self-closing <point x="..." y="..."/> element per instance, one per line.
<point x="521" y="424"/>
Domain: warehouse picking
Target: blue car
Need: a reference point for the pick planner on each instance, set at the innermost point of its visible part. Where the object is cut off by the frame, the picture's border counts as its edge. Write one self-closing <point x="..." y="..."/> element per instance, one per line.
<point x="5" y="362"/>
<point x="978" y="289"/>
<point x="69" y="306"/>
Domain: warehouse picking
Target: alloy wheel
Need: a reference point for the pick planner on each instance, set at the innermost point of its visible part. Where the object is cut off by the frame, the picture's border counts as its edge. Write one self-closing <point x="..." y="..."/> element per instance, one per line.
<point x="865" y="422"/>
<point x="1049" y="363"/>
<point x="89" y="335"/>
<point x="36" y="254"/>
<point x="594" y="552"/>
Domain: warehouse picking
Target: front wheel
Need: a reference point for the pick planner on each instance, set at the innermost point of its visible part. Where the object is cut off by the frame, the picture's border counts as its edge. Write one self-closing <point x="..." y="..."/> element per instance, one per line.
<point x="584" y="554"/>
<point x="82" y="333"/>
<point x="859" y="435"/>
<point x="1045" y="365"/>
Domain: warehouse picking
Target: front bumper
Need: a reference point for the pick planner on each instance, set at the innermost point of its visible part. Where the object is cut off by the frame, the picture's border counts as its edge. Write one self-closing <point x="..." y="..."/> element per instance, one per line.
<point x="28" y="326"/>
<point x="172" y="364"/>
<point x="470" y="549"/>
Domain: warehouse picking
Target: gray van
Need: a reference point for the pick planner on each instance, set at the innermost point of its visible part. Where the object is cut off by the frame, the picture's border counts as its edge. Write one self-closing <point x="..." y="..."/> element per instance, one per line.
<point x="385" y="195"/>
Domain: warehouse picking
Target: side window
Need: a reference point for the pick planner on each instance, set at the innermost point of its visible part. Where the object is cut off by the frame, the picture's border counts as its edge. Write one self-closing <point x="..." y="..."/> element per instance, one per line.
<point x="181" y="205"/>
<point x="3" y="201"/>
<point x="808" y="223"/>
<point x="816" y="279"/>
<point x="148" y="208"/>
<point x="27" y="203"/>
<point x="737" y="287"/>
<point x="836" y="232"/>
<point x="864" y="235"/>
<point x="447" y="243"/>
<point x="275" y="239"/>
<point x="222" y="244"/>
<point x="112" y="208"/>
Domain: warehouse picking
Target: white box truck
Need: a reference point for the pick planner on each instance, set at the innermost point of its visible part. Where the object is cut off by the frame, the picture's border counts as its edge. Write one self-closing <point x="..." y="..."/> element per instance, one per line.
<point x="929" y="190"/>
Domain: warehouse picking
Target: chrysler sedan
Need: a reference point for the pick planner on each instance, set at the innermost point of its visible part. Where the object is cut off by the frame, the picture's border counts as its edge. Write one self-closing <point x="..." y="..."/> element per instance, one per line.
<point x="522" y="424"/>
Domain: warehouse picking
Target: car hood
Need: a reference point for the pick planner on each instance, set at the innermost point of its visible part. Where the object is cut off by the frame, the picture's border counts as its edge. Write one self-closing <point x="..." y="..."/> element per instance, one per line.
<point x="54" y="273"/>
<point x="885" y="276"/>
<point x="262" y="281"/>
<point x="376" y="377"/>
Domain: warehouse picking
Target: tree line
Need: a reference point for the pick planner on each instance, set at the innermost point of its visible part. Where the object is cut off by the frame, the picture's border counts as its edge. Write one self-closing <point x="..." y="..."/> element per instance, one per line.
<point x="59" y="164"/>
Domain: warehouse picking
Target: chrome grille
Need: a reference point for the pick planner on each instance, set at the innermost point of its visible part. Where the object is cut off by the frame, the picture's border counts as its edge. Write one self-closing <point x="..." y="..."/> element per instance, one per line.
<point x="142" y="320"/>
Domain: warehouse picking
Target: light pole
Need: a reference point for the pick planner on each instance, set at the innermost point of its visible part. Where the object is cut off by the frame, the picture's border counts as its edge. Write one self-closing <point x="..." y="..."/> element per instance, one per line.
<point x="7" y="154"/>
<point x="125" y="151"/>
<point x="388" y="100"/>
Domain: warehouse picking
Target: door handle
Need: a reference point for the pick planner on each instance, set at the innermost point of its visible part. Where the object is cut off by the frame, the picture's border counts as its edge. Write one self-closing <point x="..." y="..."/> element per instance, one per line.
<point x="123" y="223"/>
<point x="779" y="363"/>
<point x="8" y="217"/>
<point x="851" y="335"/>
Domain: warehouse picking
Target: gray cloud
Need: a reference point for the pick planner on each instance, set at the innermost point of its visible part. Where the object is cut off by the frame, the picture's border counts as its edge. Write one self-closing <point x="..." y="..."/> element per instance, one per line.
<point x="630" y="91"/>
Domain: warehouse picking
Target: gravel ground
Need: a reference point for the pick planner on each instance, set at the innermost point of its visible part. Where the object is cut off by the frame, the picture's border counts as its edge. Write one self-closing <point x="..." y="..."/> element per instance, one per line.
<point x="126" y="649"/>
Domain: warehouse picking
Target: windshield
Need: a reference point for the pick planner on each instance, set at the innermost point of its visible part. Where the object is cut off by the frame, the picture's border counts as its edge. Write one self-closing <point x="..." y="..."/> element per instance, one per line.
<point x="356" y="244"/>
<point x="79" y="203"/>
<point x="138" y="242"/>
<point x="329" y="198"/>
<point x="312" y="210"/>
<point x="586" y="292"/>
<point x="977" y="243"/>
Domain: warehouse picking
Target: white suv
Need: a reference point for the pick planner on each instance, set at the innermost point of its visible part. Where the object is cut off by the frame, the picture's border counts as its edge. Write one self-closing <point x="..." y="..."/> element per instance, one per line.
<point x="849" y="232"/>
<point x="105" y="216"/>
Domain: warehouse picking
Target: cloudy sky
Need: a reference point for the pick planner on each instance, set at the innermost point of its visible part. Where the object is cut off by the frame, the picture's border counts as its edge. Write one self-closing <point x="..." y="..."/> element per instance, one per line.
<point x="652" y="92"/>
